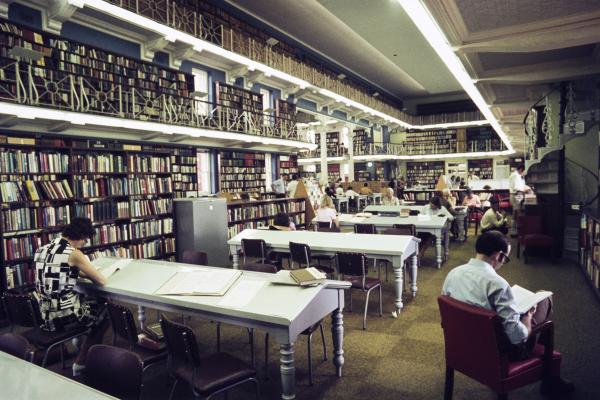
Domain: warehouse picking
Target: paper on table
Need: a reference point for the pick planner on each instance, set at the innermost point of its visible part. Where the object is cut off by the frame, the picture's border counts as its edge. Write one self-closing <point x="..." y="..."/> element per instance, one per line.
<point x="423" y="217"/>
<point x="208" y="282"/>
<point x="241" y="294"/>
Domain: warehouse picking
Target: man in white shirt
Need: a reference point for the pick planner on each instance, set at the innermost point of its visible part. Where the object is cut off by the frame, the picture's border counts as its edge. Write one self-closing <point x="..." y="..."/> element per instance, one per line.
<point x="517" y="189"/>
<point x="477" y="283"/>
<point x="291" y="187"/>
<point x="278" y="187"/>
<point x="435" y="207"/>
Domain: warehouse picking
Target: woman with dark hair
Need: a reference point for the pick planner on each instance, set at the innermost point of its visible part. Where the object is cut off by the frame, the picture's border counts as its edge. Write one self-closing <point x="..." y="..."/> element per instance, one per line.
<point x="282" y="222"/>
<point x="58" y="265"/>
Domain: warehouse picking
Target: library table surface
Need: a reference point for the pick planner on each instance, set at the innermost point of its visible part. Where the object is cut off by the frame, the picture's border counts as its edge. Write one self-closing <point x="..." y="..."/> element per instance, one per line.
<point x="460" y="215"/>
<point x="283" y="311"/>
<point x="22" y="380"/>
<point x="437" y="226"/>
<point x="395" y="249"/>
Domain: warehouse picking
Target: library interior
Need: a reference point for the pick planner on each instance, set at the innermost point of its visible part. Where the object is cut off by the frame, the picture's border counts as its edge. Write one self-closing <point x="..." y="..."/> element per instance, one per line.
<point x="316" y="199"/>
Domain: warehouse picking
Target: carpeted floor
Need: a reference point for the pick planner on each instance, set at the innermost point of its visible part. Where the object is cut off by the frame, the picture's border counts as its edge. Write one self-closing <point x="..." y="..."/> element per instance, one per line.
<point x="403" y="358"/>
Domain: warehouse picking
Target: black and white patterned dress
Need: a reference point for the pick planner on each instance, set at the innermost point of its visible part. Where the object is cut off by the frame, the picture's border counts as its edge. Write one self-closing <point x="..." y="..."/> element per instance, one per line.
<point x="55" y="279"/>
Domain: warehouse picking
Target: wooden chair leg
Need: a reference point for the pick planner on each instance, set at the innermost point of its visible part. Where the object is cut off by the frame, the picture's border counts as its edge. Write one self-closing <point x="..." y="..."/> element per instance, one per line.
<point x="324" y="343"/>
<point x="310" y="374"/>
<point x="449" y="385"/>
<point x="518" y="249"/>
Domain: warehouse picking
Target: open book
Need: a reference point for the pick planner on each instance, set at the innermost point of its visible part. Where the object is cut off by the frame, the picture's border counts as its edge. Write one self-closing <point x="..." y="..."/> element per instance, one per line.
<point x="108" y="270"/>
<point x="201" y="282"/>
<point x="525" y="299"/>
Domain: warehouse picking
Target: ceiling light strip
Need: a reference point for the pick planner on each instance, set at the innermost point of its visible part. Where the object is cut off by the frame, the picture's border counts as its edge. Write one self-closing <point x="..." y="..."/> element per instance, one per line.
<point x="425" y="22"/>
<point x="75" y="118"/>
<point x="200" y="45"/>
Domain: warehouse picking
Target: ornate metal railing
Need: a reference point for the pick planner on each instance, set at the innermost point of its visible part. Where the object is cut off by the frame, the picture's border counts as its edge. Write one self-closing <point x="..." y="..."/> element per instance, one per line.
<point x="176" y="14"/>
<point x="25" y="84"/>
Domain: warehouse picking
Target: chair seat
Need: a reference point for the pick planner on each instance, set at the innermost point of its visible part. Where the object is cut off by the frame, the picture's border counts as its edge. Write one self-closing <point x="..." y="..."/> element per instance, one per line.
<point x="220" y="370"/>
<point x="370" y="283"/>
<point x="327" y="270"/>
<point x="537" y="239"/>
<point x="43" y="338"/>
<point x="149" y="356"/>
<point x="518" y="367"/>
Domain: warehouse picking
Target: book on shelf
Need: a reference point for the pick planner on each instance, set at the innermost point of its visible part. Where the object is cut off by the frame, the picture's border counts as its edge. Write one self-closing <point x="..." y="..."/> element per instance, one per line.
<point x="525" y="299"/>
<point x="200" y="282"/>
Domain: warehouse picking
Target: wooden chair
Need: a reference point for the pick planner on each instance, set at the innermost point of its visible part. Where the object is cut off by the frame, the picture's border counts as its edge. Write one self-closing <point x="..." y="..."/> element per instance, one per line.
<point x="257" y="248"/>
<point x="354" y="267"/>
<point x="474" y="216"/>
<point x="300" y="255"/>
<point x="207" y="376"/>
<point x="371" y="229"/>
<point x="194" y="257"/>
<point x="115" y="371"/>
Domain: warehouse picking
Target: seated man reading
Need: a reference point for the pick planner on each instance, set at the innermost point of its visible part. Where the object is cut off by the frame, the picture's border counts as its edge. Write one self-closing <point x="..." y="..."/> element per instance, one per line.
<point x="477" y="283"/>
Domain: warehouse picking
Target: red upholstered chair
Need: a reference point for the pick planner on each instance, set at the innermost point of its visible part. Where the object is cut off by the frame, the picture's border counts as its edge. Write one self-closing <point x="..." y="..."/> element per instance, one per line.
<point x="477" y="346"/>
<point x="503" y="203"/>
<point x="474" y="215"/>
<point x="530" y="233"/>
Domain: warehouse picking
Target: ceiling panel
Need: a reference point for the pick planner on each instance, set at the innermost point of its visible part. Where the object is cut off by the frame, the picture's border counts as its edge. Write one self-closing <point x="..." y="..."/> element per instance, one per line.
<point x="507" y="60"/>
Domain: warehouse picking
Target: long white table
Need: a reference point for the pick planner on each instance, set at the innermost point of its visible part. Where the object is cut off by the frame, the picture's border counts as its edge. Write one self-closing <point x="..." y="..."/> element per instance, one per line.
<point x="22" y="380"/>
<point x="460" y="215"/>
<point x="395" y="249"/>
<point x="283" y="311"/>
<point x="437" y="226"/>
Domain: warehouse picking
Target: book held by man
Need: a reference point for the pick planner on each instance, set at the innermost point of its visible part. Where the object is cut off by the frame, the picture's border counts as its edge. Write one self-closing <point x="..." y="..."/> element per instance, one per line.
<point x="526" y="299"/>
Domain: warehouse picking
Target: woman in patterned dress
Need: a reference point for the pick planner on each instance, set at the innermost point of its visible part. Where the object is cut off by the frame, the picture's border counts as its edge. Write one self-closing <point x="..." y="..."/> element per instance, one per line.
<point x="58" y="265"/>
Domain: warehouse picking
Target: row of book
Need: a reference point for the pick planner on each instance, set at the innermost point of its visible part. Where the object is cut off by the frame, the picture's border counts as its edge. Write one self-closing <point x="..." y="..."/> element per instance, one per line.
<point x="187" y="186"/>
<point x="183" y="160"/>
<point x="184" y="178"/>
<point x="30" y="190"/>
<point x="111" y="233"/>
<point x="243" y="156"/>
<point x="242" y="163"/>
<point x="144" y="208"/>
<point x="184" y="169"/>
<point x="99" y="163"/>
<point x="103" y="210"/>
<point x="242" y="170"/>
<point x="33" y="162"/>
<point x="244" y="184"/>
<point x="263" y="210"/>
<point x="20" y="219"/>
<point x="243" y="177"/>
<point x="144" y="229"/>
<point x="19" y="275"/>
<point x="105" y="187"/>
<point x="25" y="246"/>
<point x="137" y="163"/>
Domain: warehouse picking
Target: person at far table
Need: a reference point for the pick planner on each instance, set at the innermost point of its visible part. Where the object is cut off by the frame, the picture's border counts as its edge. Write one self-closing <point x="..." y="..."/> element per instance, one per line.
<point x="352" y="195"/>
<point x="494" y="219"/>
<point x="471" y="199"/>
<point x="339" y="191"/>
<point x="435" y="207"/>
<point x="282" y="222"/>
<point x="478" y="283"/>
<point x="330" y="191"/>
<point x="326" y="212"/>
<point x="246" y="197"/>
<point x="485" y="197"/>
<point x="291" y="187"/>
<point x="58" y="265"/>
<point x="278" y="186"/>
<point x="365" y="190"/>
<point x="389" y="199"/>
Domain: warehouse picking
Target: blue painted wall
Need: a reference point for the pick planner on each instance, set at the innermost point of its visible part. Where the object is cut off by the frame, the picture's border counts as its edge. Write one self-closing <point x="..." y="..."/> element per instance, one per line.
<point x="162" y="59"/>
<point x="24" y="15"/>
<point x="214" y="75"/>
<point x="102" y="40"/>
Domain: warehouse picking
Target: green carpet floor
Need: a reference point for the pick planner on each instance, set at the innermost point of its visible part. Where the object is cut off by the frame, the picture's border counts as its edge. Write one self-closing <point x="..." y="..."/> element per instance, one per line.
<point x="403" y="358"/>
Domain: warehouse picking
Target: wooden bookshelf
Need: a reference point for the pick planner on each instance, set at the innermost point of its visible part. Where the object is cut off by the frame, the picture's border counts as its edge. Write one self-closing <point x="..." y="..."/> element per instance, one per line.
<point x="333" y="172"/>
<point x="288" y="166"/>
<point x="253" y="214"/>
<point x="184" y="163"/>
<point x="126" y="189"/>
<point x="360" y="140"/>
<point x="481" y="167"/>
<point x="431" y="142"/>
<point x="285" y="110"/>
<point x="483" y="138"/>
<point x="589" y="245"/>
<point x="242" y="172"/>
<point x="425" y="173"/>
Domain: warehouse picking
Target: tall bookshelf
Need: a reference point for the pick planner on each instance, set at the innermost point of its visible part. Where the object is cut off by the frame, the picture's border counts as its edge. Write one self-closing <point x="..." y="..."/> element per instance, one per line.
<point x="285" y="110"/>
<point x="125" y="189"/>
<point x="360" y="140"/>
<point x="333" y="144"/>
<point x="288" y="166"/>
<point x="431" y="142"/>
<point x="589" y="244"/>
<point x="239" y="106"/>
<point x="333" y="172"/>
<point x="483" y="138"/>
<point x="253" y="214"/>
<point x="481" y="167"/>
<point x="101" y="69"/>
<point x="184" y="163"/>
<point x="426" y="173"/>
<point x="242" y="172"/>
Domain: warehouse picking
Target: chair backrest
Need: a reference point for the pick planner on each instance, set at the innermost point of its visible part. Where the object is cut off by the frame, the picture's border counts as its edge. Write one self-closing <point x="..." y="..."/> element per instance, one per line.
<point x="123" y="324"/>
<point x="260" y="267"/>
<point x="326" y="224"/>
<point x="181" y="343"/>
<point x="529" y="224"/>
<point x="353" y="264"/>
<point x="114" y="370"/>
<point x="407" y="229"/>
<point x="194" y="257"/>
<point x="475" y="341"/>
<point x="327" y="229"/>
<point x="255" y="248"/>
<point x="22" y="310"/>
<point x="300" y="254"/>
<point x="15" y="345"/>
<point x="365" y="228"/>
<point x="474" y="214"/>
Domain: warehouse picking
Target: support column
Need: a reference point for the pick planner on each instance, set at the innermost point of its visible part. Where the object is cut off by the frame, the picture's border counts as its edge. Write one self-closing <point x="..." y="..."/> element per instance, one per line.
<point x="350" y="153"/>
<point x="324" y="173"/>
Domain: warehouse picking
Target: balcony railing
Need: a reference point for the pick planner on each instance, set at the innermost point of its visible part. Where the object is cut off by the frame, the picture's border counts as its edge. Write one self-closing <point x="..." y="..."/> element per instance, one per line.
<point x="21" y="83"/>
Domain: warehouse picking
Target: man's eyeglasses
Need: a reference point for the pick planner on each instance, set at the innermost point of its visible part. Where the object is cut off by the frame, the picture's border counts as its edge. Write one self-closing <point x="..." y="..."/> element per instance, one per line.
<point x="506" y="257"/>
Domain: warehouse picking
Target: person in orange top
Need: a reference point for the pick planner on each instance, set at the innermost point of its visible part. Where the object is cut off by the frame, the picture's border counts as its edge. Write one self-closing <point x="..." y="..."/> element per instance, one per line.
<point x="365" y="190"/>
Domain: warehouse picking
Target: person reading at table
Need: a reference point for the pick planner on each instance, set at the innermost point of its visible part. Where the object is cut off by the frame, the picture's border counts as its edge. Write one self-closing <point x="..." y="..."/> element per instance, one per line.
<point x="494" y="219"/>
<point x="282" y="222"/>
<point x="326" y="212"/>
<point x="471" y="199"/>
<point x="389" y="199"/>
<point x="478" y="283"/>
<point x="435" y="207"/>
<point x="58" y="265"/>
<point x="365" y="190"/>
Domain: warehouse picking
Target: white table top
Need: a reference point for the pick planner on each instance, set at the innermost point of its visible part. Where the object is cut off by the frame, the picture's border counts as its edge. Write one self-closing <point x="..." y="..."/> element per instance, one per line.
<point x="397" y="209"/>
<point x="141" y="278"/>
<point x="434" y="222"/>
<point x="22" y="380"/>
<point x="330" y="241"/>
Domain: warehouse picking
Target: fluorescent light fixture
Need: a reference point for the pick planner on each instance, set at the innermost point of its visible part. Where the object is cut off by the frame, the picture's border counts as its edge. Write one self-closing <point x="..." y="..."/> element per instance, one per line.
<point x="341" y="76"/>
<point x="28" y="112"/>
<point x="425" y="22"/>
<point x="332" y="121"/>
